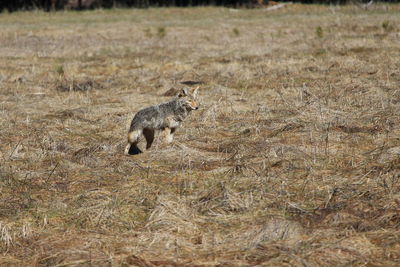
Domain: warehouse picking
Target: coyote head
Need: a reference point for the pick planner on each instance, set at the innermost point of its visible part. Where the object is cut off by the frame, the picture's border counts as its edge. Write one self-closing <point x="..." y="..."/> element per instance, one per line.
<point x="188" y="98"/>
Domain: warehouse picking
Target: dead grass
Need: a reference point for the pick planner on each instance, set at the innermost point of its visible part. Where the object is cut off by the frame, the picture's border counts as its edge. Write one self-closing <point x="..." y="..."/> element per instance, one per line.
<point x="293" y="158"/>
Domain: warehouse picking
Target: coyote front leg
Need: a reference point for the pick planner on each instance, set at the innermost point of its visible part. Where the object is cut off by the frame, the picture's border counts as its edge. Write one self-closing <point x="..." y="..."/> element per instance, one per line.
<point x="169" y="134"/>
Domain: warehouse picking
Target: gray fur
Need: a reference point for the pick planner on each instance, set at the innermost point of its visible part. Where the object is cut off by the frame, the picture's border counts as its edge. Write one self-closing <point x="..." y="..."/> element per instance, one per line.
<point x="154" y="117"/>
<point x="166" y="117"/>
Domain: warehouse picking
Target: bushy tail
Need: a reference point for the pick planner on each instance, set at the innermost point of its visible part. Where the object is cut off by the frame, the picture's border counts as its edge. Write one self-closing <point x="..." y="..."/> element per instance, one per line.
<point x="132" y="149"/>
<point x="133" y="140"/>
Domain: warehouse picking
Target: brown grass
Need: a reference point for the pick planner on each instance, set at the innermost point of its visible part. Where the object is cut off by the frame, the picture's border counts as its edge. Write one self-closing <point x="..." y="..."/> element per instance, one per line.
<point x="293" y="158"/>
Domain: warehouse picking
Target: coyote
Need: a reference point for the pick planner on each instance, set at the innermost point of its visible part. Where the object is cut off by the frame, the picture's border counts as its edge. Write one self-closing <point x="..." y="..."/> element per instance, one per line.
<point x="166" y="117"/>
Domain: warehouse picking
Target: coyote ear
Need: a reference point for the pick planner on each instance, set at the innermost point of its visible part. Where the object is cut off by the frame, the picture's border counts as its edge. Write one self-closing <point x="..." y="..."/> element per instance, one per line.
<point x="183" y="93"/>
<point x="195" y="91"/>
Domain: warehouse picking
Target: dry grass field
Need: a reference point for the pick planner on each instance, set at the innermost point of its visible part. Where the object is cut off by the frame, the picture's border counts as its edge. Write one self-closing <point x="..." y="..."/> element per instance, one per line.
<point x="293" y="158"/>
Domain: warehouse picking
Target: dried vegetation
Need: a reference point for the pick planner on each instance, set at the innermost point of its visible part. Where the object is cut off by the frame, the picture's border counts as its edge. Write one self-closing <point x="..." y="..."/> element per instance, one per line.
<point x="294" y="158"/>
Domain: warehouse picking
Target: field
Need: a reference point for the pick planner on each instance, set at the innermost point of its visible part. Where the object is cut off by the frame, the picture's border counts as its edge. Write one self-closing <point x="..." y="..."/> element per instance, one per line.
<point x="293" y="158"/>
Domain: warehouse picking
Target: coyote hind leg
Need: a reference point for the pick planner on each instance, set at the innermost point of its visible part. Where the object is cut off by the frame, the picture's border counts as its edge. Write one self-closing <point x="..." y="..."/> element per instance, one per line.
<point x="133" y="140"/>
<point x="149" y="135"/>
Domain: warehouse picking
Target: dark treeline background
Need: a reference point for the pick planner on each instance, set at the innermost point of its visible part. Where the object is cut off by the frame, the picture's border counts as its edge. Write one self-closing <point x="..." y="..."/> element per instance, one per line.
<point x="48" y="5"/>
